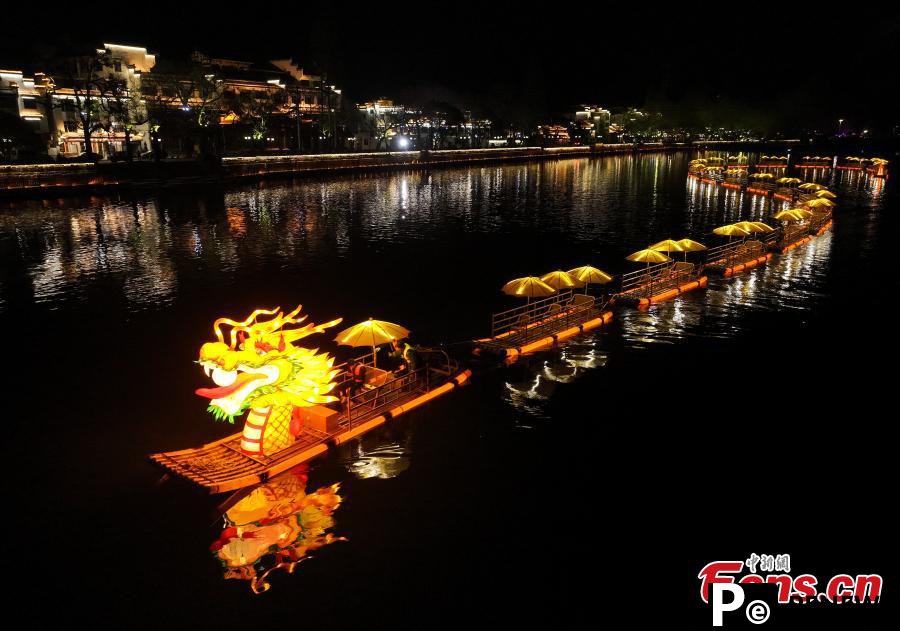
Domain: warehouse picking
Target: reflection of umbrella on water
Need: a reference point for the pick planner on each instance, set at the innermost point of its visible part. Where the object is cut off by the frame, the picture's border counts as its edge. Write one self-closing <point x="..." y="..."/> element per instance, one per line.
<point x="560" y="280"/>
<point x="371" y="333"/>
<point x="589" y="275"/>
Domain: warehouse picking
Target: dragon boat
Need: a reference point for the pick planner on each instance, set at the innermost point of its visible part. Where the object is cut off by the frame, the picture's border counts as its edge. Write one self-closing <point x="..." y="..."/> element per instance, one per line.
<point x="288" y="395"/>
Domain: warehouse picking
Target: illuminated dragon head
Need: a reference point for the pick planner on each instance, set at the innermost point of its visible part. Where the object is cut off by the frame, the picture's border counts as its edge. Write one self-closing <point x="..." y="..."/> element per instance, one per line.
<point x="259" y="365"/>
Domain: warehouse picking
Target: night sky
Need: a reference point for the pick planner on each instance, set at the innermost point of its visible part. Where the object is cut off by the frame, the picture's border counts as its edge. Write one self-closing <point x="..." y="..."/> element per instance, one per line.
<point x="759" y="66"/>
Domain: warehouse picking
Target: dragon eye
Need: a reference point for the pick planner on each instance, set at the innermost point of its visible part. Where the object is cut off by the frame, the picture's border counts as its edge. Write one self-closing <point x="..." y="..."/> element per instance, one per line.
<point x="223" y="377"/>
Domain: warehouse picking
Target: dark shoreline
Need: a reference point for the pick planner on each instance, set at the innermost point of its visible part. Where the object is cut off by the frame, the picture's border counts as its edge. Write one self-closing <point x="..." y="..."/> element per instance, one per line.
<point x="56" y="180"/>
<point x="52" y="180"/>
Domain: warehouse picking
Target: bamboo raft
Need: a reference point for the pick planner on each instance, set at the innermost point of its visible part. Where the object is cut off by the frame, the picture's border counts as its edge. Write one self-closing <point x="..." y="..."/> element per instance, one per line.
<point x="543" y="323"/>
<point x="731" y="258"/>
<point x="658" y="283"/>
<point x="223" y="466"/>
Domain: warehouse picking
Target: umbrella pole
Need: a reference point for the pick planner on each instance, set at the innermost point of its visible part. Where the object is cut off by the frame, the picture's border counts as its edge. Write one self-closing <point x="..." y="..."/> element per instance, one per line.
<point x="374" y="356"/>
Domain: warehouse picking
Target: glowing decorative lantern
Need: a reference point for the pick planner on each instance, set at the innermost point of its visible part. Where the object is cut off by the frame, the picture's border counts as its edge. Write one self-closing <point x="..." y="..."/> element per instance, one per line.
<point x="259" y="369"/>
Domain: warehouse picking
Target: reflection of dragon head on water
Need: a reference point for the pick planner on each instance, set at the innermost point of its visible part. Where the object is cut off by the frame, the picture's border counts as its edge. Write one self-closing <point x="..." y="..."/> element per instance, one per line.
<point x="274" y="527"/>
<point x="259" y="369"/>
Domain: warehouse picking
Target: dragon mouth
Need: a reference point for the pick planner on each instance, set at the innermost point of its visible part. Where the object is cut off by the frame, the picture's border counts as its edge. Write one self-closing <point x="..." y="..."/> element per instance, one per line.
<point x="234" y="386"/>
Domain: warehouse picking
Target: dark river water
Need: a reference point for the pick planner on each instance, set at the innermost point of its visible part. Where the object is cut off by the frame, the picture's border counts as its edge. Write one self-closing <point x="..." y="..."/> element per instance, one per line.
<point x="754" y="416"/>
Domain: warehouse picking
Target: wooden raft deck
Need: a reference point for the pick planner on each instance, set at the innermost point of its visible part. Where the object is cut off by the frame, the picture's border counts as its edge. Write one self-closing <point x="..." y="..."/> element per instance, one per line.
<point x="222" y="466"/>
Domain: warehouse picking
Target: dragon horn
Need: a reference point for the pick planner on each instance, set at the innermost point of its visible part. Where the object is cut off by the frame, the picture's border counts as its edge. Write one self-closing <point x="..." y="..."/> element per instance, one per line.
<point x="293" y="313"/>
<point x="296" y="334"/>
<point x="248" y="320"/>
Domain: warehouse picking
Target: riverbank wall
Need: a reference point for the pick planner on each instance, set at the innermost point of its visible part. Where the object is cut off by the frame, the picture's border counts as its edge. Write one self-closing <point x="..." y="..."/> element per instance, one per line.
<point x="55" y="179"/>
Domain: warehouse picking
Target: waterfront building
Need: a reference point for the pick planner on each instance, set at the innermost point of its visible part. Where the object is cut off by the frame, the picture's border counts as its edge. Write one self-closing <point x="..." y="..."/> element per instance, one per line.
<point x="386" y="125"/>
<point x="591" y="124"/>
<point x="554" y="135"/>
<point x="24" y="125"/>
<point x="119" y="98"/>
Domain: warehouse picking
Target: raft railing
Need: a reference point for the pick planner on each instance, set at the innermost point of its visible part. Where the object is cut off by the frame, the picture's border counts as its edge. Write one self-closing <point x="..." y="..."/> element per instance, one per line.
<point x="817" y="221"/>
<point x="786" y="236"/>
<point x="370" y="401"/>
<point x="734" y="253"/>
<point x="516" y="328"/>
<point x="657" y="278"/>
<point x="529" y="315"/>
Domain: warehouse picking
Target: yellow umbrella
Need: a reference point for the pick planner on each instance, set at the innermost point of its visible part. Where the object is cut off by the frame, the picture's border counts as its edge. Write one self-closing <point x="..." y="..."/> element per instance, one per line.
<point x="560" y="280"/>
<point x="762" y="176"/>
<point x="668" y="246"/>
<point x="788" y="215"/>
<point x="687" y="245"/>
<point x="816" y="203"/>
<point x="731" y="230"/>
<point x="589" y="275"/>
<point x="529" y="287"/>
<point x="648" y="256"/>
<point x="753" y="226"/>
<point x="371" y="333"/>
<point x="824" y="193"/>
<point x="811" y="186"/>
<point x="788" y="180"/>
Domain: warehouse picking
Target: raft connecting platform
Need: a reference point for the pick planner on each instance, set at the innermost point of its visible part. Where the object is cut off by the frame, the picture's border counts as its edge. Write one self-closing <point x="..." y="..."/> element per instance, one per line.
<point x="223" y="466"/>
<point x="543" y="323"/>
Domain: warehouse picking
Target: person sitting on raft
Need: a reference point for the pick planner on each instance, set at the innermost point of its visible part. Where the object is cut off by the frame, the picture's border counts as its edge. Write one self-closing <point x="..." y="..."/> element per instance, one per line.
<point x="405" y="357"/>
<point x="357" y="372"/>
